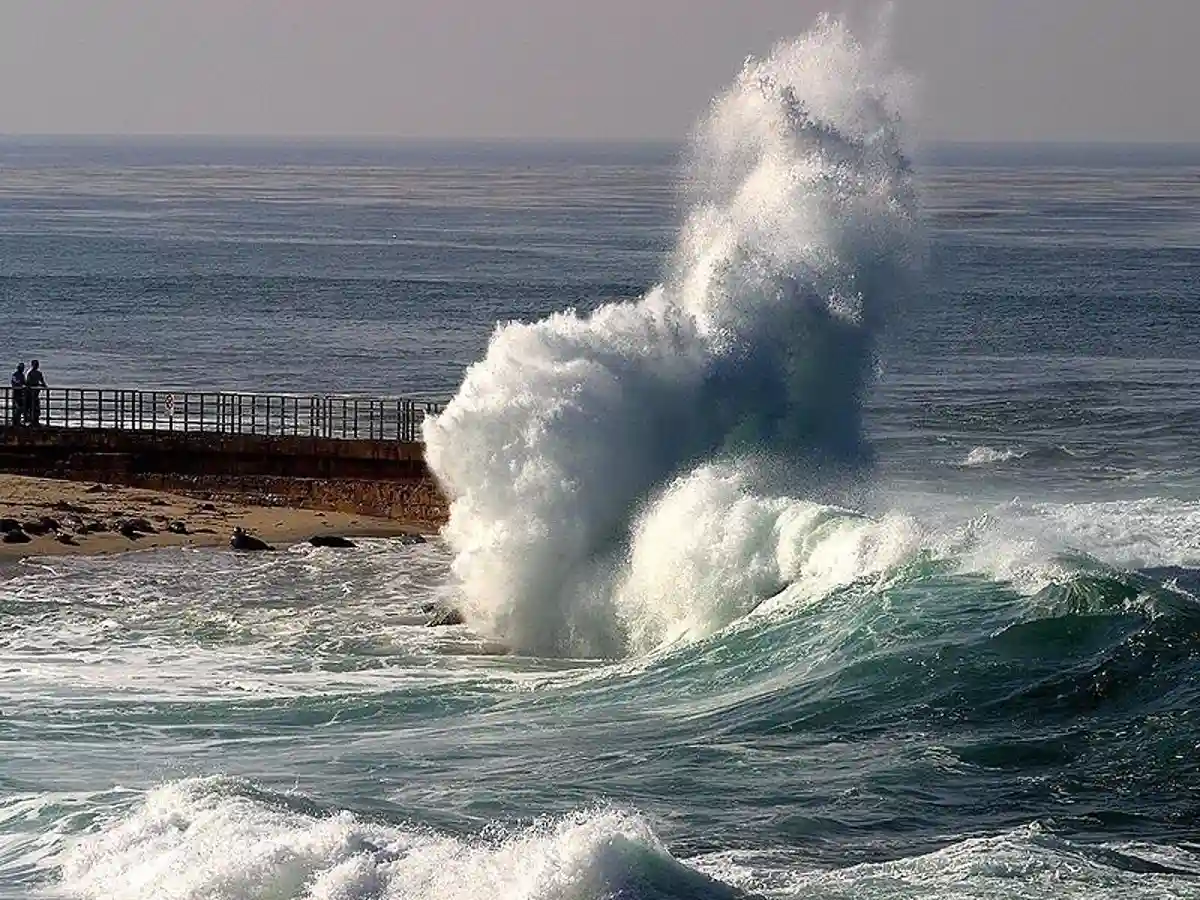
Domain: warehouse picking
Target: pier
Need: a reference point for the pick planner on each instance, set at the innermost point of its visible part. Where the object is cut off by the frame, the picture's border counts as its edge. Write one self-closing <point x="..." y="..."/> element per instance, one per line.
<point x="347" y="454"/>
<point x="285" y="415"/>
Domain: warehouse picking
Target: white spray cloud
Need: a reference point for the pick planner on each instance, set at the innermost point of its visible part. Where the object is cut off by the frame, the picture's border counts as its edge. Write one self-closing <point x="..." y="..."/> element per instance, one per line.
<point x="756" y="347"/>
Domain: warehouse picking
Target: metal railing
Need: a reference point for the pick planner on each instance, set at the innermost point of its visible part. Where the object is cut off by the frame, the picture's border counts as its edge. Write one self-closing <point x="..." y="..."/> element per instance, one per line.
<point x="324" y="416"/>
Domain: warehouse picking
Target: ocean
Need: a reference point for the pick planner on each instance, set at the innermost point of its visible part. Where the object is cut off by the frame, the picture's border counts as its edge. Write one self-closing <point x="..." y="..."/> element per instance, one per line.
<point x="858" y="559"/>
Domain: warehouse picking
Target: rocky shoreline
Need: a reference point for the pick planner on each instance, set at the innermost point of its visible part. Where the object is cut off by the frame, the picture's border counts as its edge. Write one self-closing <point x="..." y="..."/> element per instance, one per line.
<point x="47" y="517"/>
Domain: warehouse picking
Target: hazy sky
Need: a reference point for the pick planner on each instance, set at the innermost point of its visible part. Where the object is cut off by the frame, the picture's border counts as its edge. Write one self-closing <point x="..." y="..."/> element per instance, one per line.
<point x="988" y="69"/>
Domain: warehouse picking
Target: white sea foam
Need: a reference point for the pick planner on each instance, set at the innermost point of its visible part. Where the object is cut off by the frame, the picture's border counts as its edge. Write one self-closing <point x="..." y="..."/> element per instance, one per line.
<point x="1023" y="863"/>
<point x="222" y="839"/>
<point x="184" y="625"/>
<point x="712" y="549"/>
<point x="1031" y="544"/>
<point x="986" y="456"/>
<point x="800" y="231"/>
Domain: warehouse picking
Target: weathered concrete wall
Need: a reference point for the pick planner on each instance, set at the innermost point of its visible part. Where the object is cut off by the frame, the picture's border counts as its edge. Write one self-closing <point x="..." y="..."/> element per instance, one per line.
<point x="380" y="478"/>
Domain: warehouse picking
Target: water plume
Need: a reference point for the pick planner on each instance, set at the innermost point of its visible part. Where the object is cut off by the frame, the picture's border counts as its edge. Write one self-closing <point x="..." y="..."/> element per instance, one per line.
<point x="753" y="352"/>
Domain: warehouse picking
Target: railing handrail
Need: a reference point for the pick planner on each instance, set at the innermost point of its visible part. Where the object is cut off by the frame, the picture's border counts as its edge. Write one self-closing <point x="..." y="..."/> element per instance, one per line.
<point x="416" y="398"/>
<point x="338" y="416"/>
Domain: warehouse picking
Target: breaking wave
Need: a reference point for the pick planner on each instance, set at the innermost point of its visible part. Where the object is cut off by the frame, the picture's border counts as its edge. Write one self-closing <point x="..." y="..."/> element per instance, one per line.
<point x="176" y="841"/>
<point x="634" y="474"/>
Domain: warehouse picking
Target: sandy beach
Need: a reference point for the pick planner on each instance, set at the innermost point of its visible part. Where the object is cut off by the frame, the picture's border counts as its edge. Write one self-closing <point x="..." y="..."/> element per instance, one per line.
<point x="68" y="517"/>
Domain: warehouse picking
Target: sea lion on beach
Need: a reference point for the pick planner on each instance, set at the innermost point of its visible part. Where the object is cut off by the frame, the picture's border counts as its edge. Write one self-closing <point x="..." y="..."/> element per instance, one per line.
<point x="240" y="540"/>
<point x="331" y="540"/>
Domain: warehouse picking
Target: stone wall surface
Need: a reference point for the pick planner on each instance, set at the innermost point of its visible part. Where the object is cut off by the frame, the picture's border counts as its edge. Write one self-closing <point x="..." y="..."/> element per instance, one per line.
<point x="378" y="478"/>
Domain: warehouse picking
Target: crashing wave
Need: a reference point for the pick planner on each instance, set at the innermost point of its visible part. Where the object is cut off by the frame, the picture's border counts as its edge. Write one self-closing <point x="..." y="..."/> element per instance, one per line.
<point x="753" y="352"/>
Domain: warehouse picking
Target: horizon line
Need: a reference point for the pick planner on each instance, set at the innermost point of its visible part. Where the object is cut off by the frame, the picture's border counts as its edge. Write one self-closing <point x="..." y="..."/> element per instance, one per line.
<point x="527" y="140"/>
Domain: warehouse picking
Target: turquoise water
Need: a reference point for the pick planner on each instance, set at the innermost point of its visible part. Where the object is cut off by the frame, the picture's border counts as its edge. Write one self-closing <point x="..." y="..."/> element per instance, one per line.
<point x="791" y="614"/>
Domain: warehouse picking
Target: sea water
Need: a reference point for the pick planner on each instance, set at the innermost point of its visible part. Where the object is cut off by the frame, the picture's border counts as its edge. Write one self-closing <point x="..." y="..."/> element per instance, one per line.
<point x="826" y="520"/>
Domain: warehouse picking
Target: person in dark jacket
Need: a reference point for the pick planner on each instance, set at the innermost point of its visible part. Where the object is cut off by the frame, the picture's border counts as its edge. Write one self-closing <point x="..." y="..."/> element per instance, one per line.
<point x="17" y="397"/>
<point x="35" y="383"/>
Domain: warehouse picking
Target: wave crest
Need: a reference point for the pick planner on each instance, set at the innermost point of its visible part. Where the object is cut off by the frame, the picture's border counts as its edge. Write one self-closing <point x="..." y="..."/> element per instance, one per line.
<point x="218" y="838"/>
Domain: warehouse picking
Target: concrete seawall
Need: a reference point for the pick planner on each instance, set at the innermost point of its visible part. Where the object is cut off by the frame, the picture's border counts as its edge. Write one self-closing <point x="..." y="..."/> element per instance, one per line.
<point x="378" y="478"/>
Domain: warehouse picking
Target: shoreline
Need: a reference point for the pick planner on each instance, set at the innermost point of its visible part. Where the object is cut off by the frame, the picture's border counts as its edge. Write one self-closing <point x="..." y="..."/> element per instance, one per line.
<point x="81" y="518"/>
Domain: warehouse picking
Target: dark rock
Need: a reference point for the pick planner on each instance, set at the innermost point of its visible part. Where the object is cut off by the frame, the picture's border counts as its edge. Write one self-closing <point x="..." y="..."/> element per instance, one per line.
<point x="129" y="531"/>
<point x="94" y="489"/>
<point x="177" y="528"/>
<point x="66" y="539"/>
<point x="157" y="501"/>
<point x="36" y="527"/>
<point x="9" y="525"/>
<point x="409" y="539"/>
<point x="247" y="542"/>
<point x="49" y="523"/>
<point x="442" y="614"/>
<point x="207" y="507"/>
<point x="136" y="524"/>
<point x="16" y="537"/>
<point x="64" y="506"/>
<point x="96" y="527"/>
<point x="331" y="540"/>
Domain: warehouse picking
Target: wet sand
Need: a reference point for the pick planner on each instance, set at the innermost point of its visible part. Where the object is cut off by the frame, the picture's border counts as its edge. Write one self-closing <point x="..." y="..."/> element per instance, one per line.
<point x="86" y="518"/>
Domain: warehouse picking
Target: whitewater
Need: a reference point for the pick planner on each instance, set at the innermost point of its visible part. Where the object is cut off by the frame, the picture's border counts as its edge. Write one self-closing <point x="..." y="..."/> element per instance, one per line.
<point x="590" y="459"/>
<point x="816" y="534"/>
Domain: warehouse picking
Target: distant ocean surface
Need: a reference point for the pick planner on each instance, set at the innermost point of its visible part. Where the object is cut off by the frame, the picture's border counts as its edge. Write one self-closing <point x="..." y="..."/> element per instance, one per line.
<point x="983" y="682"/>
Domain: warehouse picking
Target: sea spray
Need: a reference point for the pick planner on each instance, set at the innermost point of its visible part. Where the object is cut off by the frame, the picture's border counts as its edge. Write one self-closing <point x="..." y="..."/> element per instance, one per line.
<point x="752" y="354"/>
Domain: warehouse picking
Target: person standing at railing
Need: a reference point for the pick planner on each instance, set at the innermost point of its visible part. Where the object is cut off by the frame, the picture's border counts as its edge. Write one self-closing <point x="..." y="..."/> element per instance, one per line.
<point x="35" y="383"/>
<point x="17" y="401"/>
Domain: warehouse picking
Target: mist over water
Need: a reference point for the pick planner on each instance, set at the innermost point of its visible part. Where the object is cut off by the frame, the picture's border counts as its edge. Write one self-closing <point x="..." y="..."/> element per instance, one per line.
<point x="575" y="435"/>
